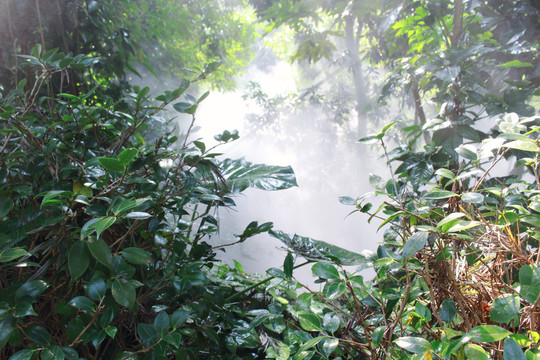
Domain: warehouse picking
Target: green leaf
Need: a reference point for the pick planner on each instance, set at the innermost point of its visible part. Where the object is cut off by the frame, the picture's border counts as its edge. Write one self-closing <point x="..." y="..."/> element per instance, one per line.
<point x="138" y="215"/>
<point x="78" y="260"/>
<point x="31" y="289"/>
<point x="447" y="311"/>
<point x="147" y="333"/>
<point x="83" y="303"/>
<point x="123" y="293"/>
<point x="103" y="224"/>
<point x="333" y="290"/>
<point x="329" y="345"/>
<point x="38" y="335"/>
<point x="475" y="352"/>
<point x="100" y="251"/>
<point x="6" y="205"/>
<point x="515" y="64"/>
<point x="512" y="351"/>
<point x="212" y="335"/>
<point x="53" y="352"/>
<point x="325" y="270"/>
<point x="487" y="333"/>
<point x="96" y="287"/>
<point x="162" y="322"/>
<point x="309" y="322"/>
<point x="467" y="151"/>
<point x="178" y="318"/>
<point x="504" y="308"/>
<point x="532" y="354"/>
<point x="529" y="278"/>
<point x="7" y="325"/>
<point x="472" y="198"/>
<point x="241" y="174"/>
<point x="136" y="255"/>
<point x="112" y="164"/>
<point x="439" y="194"/>
<point x="311" y="343"/>
<point x="12" y="254"/>
<point x="111" y="331"/>
<point x="319" y="250"/>
<point x="25" y="354"/>
<point x="288" y="265"/>
<point x="525" y="145"/>
<point x="413" y="344"/>
<point x="127" y="156"/>
<point x="414" y="244"/>
<point x="446" y="174"/>
<point x="173" y="338"/>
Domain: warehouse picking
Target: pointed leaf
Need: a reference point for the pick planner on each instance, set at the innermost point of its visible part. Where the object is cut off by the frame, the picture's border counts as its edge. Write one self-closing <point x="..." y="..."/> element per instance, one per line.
<point x="416" y="242"/>
<point x="504" y="308"/>
<point x="127" y="156"/>
<point x="78" y="260"/>
<point x="413" y="344"/>
<point x="112" y="164"/>
<point x="309" y="322"/>
<point x="487" y="333"/>
<point x="325" y="270"/>
<point x="136" y="256"/>
<point x="123" y="293"/>
<point x="512" y="351"/>
<point x="100" y="251"/>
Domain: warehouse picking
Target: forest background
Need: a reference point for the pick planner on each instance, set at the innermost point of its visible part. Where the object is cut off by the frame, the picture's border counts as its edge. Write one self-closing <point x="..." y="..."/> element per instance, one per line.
<point x="109" y="213"/>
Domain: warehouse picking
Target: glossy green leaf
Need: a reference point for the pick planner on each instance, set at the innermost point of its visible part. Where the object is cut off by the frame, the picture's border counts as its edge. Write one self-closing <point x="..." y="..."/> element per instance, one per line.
<point x="439" y="195"/>
<point x="529" y="278"/>
<point x="413" y="344"/>
<point x="38" y="335"/>
<point x="288" y="265"/>
<point x="309" y="322"/>
<point x="31" y="289"/>
<point x="103" y="224"/>
<point x="123" y="293"/>
<point x="325" y="270"/>
<point x="83" y="303"/>
<point x="100" y="251"/>
<point x="53" y="352"/>
<point x="532" y="354"/>
<point x="504" y="308"/>
<point x="78" y="260"/>
<point x="7" y="325"/>
<point x="25" y="354"/>
<point x="333" y="290"/>
<point x="447" y="310"/>
<point x="127" y="156"/>
<point x="136" y="255"/>
<point x="311" y="343"/>
<point x="512" y="351"/>
<point x="475" y="352"/>
<point x="112" y="164"/>
<point x="111" y="331"/>
<point x="96" y="288"/>
<point x="487" y="333"/>
<point x="6" y="205"/>
<point x="178" y="318"/>
<point x="319" y="250"/>
<point x="12" y="254"/>
<point x="174" y="339"/>
<point x="138" y="215"/>
<point x="162" y="322"/>
<point x="329" y="345"/>
<point x="147" y="333"/>
<point x="472" y="198"/>
<point x="241" y="174"/>
<point x="414" y="244"/>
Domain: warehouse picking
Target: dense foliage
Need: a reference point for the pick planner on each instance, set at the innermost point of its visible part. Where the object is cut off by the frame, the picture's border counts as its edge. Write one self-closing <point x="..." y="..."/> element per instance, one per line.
<point x="105" y="239"/>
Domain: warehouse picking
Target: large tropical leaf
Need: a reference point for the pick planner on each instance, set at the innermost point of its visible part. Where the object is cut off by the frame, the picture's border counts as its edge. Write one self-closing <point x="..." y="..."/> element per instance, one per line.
<point x="241" y="174"/>
<point x="319" y="250"/>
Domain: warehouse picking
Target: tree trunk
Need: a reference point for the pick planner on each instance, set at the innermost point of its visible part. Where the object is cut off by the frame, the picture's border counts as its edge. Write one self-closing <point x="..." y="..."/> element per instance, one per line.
<point x="353" y="50"/>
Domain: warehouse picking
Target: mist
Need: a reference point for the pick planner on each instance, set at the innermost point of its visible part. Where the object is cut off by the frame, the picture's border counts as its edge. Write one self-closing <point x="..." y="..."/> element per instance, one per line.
<point x="327" y="165"/>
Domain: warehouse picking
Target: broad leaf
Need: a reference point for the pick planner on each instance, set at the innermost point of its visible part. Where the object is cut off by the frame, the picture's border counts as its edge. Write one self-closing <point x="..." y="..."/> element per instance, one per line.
<point x="414" y="244"/>
<point x="487" y="333"/>
<point x="112" y="164"/>
<point x="504" y="308"/>
<point x="309" y="322"/>
<point x="136" y="256"/>
<point x="325" y="270"/>
<point x="241" y="174"/>
<point x="512" y="351"/>
<point x="123" y="293"/>
<point x="100" y="251"/>
<point x="415" y="345"/>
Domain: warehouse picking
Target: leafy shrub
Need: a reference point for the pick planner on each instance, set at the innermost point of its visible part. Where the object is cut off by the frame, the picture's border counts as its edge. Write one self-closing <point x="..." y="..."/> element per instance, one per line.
<point x="104" y="246"/>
